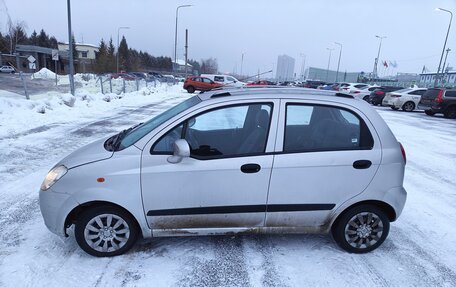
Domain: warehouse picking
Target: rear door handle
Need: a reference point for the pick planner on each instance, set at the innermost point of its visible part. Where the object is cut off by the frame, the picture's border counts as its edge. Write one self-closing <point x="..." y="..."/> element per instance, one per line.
<point x="250" y="168"/>
<point x="362" y="164"/>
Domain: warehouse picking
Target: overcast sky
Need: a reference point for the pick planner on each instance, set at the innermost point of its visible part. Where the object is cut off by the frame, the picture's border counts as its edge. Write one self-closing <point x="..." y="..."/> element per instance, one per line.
<point x="261" y="30"/>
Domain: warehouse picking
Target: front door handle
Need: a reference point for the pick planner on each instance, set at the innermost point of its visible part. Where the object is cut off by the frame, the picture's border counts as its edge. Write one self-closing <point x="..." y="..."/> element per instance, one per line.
<point x="250" y="168"/>
<point x="362" y="164"/>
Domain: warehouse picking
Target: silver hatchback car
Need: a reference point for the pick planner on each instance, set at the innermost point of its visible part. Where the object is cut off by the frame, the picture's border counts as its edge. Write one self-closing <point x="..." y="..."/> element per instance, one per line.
<point x="266" y="160"/>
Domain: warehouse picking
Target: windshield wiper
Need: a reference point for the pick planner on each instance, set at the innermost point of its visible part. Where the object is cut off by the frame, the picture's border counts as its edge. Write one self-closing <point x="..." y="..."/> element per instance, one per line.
<point x="117" y="139"/>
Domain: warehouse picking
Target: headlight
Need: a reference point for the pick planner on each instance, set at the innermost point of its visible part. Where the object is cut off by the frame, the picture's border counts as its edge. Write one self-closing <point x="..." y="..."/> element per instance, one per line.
<point x="53" y="175"/>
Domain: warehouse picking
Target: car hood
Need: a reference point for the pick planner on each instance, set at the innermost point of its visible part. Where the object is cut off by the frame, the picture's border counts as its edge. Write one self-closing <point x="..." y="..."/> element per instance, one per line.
<point x="87" y="154"/>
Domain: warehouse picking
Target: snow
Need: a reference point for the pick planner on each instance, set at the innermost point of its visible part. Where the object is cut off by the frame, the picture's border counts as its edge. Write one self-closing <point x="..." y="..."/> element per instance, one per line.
<point x="43" y="74"/>
<point x="418" y="252"/>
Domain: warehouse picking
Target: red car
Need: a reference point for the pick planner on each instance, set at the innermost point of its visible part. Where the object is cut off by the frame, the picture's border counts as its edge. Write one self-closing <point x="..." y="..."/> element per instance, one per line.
<point x="193" y="84"/>
<point x="125" y="76"/>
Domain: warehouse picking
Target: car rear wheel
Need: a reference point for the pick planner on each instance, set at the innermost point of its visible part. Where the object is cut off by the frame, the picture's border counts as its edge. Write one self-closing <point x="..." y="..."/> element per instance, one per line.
<point x="429" y="112"/>
<point x="450" y="113"/>
<point x="106" y="231"/>
<point x="361" y="229"/>
<point x="408" y="106"/>
<point x="190" y="89"/>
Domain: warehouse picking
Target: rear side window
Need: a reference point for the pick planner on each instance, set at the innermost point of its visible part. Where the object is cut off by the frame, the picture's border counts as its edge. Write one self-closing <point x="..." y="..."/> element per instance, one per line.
<point x="450" y="94"/>
<point x="324" y="128"/>
<point x="218" y="79"/>
<point x="431" y="93"/>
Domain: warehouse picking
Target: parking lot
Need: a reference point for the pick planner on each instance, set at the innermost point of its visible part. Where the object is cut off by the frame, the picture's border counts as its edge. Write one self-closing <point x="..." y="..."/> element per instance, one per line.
<point x="418" y="252"/>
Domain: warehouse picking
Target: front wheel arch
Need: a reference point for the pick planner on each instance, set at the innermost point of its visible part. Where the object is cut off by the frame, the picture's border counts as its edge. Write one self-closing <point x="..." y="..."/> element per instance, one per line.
<point x="72" y="217"/>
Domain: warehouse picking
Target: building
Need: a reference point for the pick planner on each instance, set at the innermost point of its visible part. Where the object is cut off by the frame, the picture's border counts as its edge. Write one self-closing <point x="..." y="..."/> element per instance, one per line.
<point x="448" y="79"/>
<point x="285" y="68"/>
<point x="317" y="74"/>
<point x="179" y="66"/>
<point x="85" y="55"/>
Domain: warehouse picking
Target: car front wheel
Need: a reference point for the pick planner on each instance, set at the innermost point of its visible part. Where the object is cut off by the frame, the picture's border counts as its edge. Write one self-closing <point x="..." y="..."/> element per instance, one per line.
<point x="106" y="231"/>
<point x="361" y="229"/>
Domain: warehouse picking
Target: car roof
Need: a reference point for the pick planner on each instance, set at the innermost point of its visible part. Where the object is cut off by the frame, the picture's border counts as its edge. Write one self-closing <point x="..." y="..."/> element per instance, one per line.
<point x="276" y="92"/>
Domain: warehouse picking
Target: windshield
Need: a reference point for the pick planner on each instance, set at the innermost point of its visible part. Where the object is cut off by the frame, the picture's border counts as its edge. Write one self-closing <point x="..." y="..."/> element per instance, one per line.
<point x="137" y="133"/>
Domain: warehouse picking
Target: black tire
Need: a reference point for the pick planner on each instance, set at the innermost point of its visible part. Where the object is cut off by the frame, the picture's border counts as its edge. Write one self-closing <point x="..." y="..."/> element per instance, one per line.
<point x="394" y="108"/>
<point x="190" y="89"/>
<point x="429" y="112"/>
<point x="450" y="113"/>
<point x="89" y="215"/>
<point x="408" y="106"/>
<point x="366" y="98"/>
<point x="375" y="231"/>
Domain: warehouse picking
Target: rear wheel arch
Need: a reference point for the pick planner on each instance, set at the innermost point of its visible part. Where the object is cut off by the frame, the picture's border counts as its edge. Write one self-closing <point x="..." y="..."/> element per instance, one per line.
<point x="383" y="206"/>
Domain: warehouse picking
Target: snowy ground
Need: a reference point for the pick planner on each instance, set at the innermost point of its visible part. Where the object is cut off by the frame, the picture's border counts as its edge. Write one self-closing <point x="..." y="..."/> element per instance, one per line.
<point x="418" y="252"/>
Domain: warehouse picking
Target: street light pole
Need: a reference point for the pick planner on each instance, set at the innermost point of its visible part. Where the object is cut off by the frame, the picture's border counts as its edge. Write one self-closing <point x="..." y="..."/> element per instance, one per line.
<point x="338" y="63"/>
<point x="303" y="65"/>
<point x="175" y="32"/>
<point x="329" y="61"/>
<point x="374" y="73"/>
<point x="117" y="54"/>
<point x="444" y="45"/>
<point x="70" y="49"/>
<point x="242" y="63"/>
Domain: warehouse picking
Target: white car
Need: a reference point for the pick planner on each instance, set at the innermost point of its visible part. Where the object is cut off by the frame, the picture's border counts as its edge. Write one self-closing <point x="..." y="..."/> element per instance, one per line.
<point x="364" y="92"/>
<point x="225" y="80"/>
<point x="346" y="88"/>
<point x="406" y="99"/>
<point x="261" y="160"/>
<point x="7" y="69"/>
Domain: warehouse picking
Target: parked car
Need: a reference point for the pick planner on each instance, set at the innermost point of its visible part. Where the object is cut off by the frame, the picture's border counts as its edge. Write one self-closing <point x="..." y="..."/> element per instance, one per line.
<point x="327" y="86"/>
<point x="139" y="75"/>
<point x="439" y="101"/>
<point x="406" y="99"/>
<point x="363" y="93"/>
<point x="313" y="84"/>
<point x="225" y="80"/>
<point x="346" y="88"/>
<point x="125" y="76"/>
<point x="226" y="162"/>
<point x="376" y="97"/>
<point x="7" y="69"/>
<point x="261" y="83"/>
<point x="193" y="84"/>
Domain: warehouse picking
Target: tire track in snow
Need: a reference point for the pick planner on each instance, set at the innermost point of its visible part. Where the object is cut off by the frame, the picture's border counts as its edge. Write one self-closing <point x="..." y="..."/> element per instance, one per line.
<point x="228" y="268"/>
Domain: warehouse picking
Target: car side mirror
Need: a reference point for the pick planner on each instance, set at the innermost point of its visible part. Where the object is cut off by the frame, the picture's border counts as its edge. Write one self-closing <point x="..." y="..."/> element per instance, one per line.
<point x="181" y="149"/>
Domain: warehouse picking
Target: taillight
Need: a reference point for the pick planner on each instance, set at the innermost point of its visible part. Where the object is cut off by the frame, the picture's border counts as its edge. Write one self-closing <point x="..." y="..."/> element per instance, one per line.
<point x="356" y="92"/>
<point x="439" y="98"/>
<point x="379" y="92"/>
<point x="403" y="153"/>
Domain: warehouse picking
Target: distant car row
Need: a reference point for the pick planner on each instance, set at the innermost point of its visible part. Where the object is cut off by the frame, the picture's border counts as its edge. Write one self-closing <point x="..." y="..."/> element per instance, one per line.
<point x="7" y="69"/>
<point x="149" y="76"/>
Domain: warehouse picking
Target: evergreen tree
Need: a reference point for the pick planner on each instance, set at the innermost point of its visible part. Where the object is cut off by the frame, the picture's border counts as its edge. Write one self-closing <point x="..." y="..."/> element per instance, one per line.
<point x="33" y="40"/>
<point x="102" y="58"/>
<point x="124" y="52"/>
<point x="111" y="60"/>
<point x="43" y="39"/>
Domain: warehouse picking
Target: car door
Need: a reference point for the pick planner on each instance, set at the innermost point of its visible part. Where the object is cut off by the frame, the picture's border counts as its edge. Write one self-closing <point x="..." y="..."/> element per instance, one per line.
<point x="224" y="182"/>
<point x="326" y="155"/>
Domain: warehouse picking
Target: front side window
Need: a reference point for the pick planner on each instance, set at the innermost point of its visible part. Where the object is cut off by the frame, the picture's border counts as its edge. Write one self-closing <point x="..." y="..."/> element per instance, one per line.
<point x="324" y="128"/>
<point x="224" y="132"/>
<point x="205" y="80"/>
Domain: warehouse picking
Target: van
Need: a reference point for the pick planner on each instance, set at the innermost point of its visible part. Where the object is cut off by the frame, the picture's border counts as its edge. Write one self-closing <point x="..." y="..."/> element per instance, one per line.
<point x="225" y="80"/>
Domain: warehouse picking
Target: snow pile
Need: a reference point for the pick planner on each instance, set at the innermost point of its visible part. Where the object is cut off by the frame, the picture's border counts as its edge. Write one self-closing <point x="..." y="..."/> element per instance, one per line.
<point x="18" y="114"/>
<point x="44" y="74"/>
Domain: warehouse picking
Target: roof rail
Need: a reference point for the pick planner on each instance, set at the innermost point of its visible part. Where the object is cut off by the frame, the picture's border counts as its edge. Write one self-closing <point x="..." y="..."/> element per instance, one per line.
<point x="342" y="95"/>
<point x="218" y="95"/>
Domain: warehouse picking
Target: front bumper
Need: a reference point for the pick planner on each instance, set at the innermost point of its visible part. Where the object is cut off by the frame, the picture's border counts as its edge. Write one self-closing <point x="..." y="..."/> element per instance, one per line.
<point x="55" y="207"/>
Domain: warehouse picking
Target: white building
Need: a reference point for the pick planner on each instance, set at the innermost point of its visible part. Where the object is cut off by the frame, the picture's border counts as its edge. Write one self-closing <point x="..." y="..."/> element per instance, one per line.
<point x="85" y="51"/>
<point x="448" y="78"/>
<point x="285" y="68"/>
